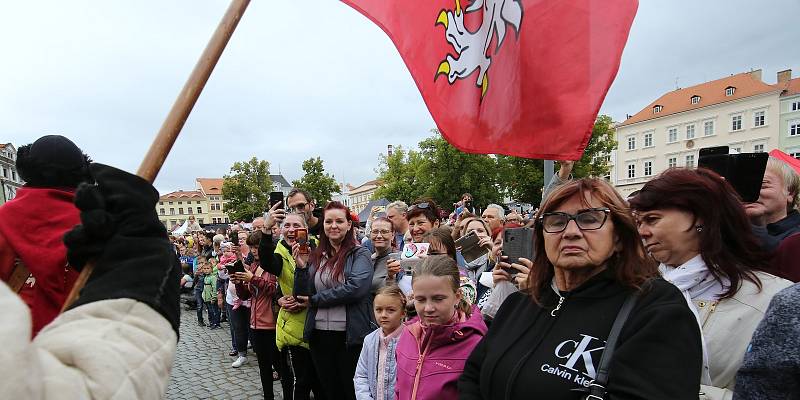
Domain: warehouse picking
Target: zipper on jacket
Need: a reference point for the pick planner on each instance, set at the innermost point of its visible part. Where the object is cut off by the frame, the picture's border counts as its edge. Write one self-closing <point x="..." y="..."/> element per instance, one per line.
<point x="418" y="374"/>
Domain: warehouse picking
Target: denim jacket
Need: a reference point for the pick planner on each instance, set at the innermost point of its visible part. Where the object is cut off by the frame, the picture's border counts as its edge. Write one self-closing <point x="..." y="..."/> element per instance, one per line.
<point x="353" y="293"/>
<point x="366" y="379"/>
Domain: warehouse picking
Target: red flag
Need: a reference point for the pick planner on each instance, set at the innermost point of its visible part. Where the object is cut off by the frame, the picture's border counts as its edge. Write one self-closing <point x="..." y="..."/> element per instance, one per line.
<point x="517" y="77"/>
<point x="789" y="160"/>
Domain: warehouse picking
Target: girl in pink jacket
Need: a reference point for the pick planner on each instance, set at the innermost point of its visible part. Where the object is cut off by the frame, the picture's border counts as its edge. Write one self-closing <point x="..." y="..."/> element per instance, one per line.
<point x="432" y="350"/>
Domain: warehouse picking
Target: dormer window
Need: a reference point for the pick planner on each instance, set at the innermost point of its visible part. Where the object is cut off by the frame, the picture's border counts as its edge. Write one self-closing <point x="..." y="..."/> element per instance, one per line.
<point x="730" y="90"/>
<point x="657" y="109"/>
<point x="695" y="99"/>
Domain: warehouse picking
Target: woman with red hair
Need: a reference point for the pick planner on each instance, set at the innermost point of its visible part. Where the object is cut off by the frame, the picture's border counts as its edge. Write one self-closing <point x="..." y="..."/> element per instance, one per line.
<point x="334" y="283"/>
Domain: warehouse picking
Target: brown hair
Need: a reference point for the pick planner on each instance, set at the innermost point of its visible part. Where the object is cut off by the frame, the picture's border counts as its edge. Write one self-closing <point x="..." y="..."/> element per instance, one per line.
<point x="631" y="265"/>
<point x="443" y="266"/>
<point x="393" y="291"/>
<point x="728" y="245"/>
<point x="254" y="238"/>
<point x="441" y="236"/>
<point x="431" y="212"/>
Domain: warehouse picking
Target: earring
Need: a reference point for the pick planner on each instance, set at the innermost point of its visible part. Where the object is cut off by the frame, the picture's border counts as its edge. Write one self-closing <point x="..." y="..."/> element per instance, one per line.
<point x="699" y="228"/>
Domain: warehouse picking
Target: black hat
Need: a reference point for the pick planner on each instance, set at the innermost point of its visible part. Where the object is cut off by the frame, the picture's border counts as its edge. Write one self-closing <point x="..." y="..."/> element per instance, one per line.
<point x="53" y="161"/>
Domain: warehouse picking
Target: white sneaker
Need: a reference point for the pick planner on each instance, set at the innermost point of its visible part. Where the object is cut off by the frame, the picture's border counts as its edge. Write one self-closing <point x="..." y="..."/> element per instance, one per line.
<point x="239" y="362"/>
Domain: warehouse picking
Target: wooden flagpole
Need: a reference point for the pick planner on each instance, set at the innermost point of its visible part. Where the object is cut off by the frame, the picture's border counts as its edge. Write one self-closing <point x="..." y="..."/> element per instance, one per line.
<point x="173" y="124"/>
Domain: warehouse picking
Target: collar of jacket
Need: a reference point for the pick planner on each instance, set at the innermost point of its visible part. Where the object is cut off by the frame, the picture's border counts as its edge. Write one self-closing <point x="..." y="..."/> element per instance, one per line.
<point x="440" y="335"/>
<point x="601" y="285"/>
<point x="792" y="220"/>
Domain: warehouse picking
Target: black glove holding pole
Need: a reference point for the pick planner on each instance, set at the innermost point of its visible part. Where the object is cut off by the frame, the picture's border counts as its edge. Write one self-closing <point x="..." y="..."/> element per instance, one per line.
<point x="121" y="233"/>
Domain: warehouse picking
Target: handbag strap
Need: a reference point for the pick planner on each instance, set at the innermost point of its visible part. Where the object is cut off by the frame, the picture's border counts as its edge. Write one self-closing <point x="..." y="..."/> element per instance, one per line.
<point x="597" y="389"/>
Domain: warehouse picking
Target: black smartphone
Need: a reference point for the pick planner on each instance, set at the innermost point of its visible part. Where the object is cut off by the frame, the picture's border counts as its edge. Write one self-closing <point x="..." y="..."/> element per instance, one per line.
<point x="744" y="171"/>
<point x="518" y="243"/>
<point x="238" y="266"/>
<point x="275" y="198"/>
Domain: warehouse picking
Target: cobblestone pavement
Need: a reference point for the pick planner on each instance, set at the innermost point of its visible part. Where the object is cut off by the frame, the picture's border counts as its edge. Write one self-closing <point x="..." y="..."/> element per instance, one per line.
<point x="202" y="368"/>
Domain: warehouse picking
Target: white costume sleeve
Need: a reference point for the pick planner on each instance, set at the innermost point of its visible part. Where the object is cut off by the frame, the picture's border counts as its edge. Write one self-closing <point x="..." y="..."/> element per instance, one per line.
<point x="120" y="349"/>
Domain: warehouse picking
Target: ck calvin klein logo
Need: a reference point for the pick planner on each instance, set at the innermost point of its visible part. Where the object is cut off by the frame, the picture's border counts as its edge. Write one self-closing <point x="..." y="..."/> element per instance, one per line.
<point x="575" y="351"/>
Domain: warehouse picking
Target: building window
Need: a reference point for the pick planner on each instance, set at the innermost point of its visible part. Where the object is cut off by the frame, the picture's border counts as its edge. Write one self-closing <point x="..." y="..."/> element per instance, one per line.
<point x="657" y="109"/>
<point x="180" y="211"/>
<point x="189" y="210"/>
<point x="759" y="148"/>
<point x="736" y="123"/>
<point x="631" y="142"/>
<point x="161" y="203"/>
<point x="5" y="173"/>
<point x="226" y="220"/>
<point x="161" y="211"/>
<point x="690" y="161"/>
<point x="794" y="127"/>
<point x="171" y="211"/>
<point x="170" y="203"/>
<point x="673" y="135"/>
<point x="689" y="131"/>
<point x="199" y="210"/>
<point x="672" y="162"/>
<point x="648" y="140"/>
<point x="631" y="171"/>
<point x="695" y="99"/>
<point x="730" y="90"/>
<point x="796" y="106"/>
<point x="760" y="118"/>
<point x="200" y="221"/>
<point x="648" y="168"/>
<point x="708" y="128"/>
<point x="737" y="149"/>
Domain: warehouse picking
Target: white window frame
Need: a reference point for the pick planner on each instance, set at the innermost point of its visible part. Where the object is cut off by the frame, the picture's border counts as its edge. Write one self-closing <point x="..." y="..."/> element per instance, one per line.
<point x="795" y="106"/>
<point x="756" y="148"/>
<point x="756" y="118"/>
<point x="733" y="122"/>
<point x="793" y="125"/>
<point x="669" y="134"/>
<point x="631" y="142"/>
<point x="686" y="160"/>
<point x="648" y="137"/>
<point x="648" y="165"/>
<point x="657" y="109"/>
<point x="693" y="130"/>
<point x="695" y="99"/>
<point x="729" y="91"/>
<point x="706" y="124"/>
<point x="672" y="162"/>
<point x="631" y="171"/>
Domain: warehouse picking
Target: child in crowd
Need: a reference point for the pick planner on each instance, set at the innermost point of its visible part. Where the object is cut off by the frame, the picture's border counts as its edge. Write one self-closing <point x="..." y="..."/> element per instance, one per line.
<point x="433" y="349"/>
<point x="376" y="372"/>
<point x="210" y="294"/>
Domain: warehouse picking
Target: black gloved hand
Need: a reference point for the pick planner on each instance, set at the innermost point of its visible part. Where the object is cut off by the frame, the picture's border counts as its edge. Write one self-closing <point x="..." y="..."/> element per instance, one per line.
<point x="121" y="233"/>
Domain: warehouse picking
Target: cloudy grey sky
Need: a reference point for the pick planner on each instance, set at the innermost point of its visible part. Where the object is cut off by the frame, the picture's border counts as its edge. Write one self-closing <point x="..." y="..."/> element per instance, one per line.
<point x="304" y="78"/>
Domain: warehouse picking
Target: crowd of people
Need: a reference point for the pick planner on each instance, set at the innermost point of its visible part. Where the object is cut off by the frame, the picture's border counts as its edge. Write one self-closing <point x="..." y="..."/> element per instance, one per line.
<point x="679" y="291"/>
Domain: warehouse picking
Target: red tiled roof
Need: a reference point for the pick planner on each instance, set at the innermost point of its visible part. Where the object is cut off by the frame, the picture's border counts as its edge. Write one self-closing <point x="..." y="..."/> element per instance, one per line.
<point x="211" y="186"/>
<point x="745" y="84"/>
<point x="183" y="194"/>
<point x="792" y="87"/>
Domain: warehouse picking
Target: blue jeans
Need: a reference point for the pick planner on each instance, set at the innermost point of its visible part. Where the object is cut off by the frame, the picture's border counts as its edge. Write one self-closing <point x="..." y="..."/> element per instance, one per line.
<point x="198" y="297"/>
<point x="213" y="313"/>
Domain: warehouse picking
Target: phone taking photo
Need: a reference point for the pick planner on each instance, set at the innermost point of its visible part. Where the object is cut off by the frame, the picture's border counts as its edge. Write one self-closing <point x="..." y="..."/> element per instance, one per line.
<point x="302" y="240"/>
<point x="275" y="198"/>
<point x="518" y="243"/>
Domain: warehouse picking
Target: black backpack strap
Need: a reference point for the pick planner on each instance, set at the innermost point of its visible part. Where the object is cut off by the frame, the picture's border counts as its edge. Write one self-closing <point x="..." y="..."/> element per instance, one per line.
<point x="597" y="389"/>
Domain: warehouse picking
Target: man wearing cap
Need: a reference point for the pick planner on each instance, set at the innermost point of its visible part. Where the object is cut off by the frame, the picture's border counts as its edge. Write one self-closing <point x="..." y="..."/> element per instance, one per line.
<point x="33" y="224"/>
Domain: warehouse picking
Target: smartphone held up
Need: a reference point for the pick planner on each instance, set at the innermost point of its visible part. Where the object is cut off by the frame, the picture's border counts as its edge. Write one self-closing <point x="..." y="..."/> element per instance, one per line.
<point x="302" y="240"/>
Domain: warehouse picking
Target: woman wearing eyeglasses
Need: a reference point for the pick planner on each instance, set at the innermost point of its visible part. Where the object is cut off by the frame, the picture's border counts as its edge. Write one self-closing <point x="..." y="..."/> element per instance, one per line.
<point x="382" y="237"/>
<point x="547" y="342"/>
<point x="693" y="224"/>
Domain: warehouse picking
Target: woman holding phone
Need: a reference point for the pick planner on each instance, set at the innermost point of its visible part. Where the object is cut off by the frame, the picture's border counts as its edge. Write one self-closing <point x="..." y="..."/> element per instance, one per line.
<point x="337" y="275"/>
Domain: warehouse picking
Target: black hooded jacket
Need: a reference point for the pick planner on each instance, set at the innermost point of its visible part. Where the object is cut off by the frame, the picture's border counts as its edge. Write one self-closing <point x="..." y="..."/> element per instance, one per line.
<point x="529" y="354"/>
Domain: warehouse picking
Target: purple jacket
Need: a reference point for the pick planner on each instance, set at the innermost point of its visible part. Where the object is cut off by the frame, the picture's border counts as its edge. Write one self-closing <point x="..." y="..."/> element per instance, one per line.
<point x="430" y="361"/>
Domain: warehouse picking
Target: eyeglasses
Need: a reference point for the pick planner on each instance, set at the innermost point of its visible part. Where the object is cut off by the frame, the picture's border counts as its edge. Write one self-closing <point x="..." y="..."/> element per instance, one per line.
<point x="587" y="220"/>
<point x="381" y="232"/>
<point x="298" y="207"/>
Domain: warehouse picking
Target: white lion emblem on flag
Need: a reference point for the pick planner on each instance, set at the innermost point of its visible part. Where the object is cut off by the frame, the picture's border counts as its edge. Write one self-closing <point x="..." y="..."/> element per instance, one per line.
<point x="474" y="48"/>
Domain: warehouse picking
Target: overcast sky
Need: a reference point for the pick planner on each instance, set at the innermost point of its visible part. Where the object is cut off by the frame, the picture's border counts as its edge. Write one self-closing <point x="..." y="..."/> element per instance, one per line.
<point x="304" y="78"/>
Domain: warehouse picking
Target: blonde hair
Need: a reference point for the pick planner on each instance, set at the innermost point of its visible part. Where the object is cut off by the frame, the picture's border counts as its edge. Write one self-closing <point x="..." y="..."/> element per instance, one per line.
<point x="443" y="266"/>
<point x="393" y="291"/>
<point x="791" y="181"/>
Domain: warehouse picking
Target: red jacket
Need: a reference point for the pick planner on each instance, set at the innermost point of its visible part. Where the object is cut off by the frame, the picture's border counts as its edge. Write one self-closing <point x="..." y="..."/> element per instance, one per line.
<point x="32" y="226"/>
<point x="262" y="288"/>
<point x="785" y="260"/>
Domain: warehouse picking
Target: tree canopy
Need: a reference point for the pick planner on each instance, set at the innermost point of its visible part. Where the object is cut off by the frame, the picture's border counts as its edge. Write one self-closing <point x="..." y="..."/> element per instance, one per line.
<point x="316" y="182"/>
<point x="247" y="189"/>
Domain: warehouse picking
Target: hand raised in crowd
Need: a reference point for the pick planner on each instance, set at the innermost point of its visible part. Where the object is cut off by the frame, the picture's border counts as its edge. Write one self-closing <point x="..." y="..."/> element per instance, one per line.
<point x="236" y="250"/>
<point x="392" y="269"/>
<point x="299" y="259"/>
<point x="289" y="304"/>
<point x="523" y="268"/>
<point x="275" y="215"/>
<point x="245" y="276"/>
<point x="486" y="242"/>
<point x="565" y="170"/>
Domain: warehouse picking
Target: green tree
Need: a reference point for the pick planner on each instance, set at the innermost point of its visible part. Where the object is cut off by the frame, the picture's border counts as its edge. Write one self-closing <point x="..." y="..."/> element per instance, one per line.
<point x="596" y="156"/>
<point x="247" y="189"/>
<point x="522" y="178"/>
<point x="316" y="182"/>
<point x="400" y="175"/>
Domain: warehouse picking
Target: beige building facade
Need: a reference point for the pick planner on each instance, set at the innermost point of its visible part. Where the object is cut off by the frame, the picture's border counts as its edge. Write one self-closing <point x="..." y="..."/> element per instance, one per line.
<point x="362" y="194"/>
<point x="10" y="181"/>
<point x="175" y="208"/>
<point x="212" y="189"/>
<point x="740" y="111"/>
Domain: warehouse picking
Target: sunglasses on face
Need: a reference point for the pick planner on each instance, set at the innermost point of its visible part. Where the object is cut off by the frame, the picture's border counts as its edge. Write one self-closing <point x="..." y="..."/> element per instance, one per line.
<point x="587" y="220"/>
<point x="298" y="207"/>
